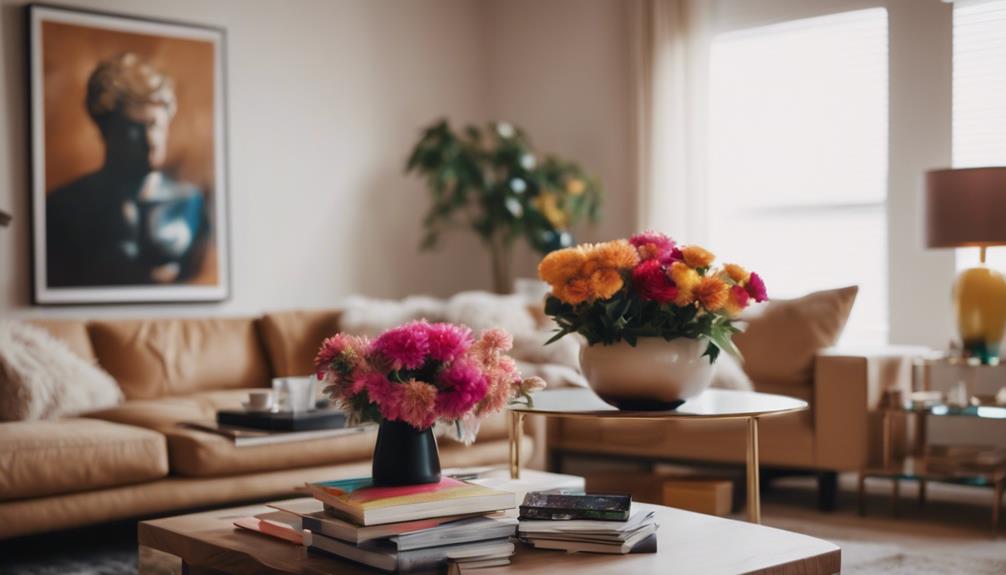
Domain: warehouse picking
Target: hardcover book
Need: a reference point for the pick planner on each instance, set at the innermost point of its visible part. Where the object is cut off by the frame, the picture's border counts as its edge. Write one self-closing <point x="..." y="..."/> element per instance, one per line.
<point x="365" y="504"/>
<point x="561" y="506"/>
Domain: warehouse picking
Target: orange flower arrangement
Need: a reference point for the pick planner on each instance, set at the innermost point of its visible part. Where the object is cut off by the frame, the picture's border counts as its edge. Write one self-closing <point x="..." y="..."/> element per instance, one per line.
<point x="647" y="286"/>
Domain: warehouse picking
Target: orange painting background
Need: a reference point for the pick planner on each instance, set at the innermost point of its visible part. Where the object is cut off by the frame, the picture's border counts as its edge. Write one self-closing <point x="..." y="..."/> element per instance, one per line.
<point x="73" y="144"/>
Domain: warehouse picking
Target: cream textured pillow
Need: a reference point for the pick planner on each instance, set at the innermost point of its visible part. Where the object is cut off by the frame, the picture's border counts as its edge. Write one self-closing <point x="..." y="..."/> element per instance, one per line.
<point x="40" y="378"/>
<point x="783" y="336"/>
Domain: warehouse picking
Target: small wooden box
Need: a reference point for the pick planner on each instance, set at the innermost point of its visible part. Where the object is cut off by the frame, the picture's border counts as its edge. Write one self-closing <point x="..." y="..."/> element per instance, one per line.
<point x="709" y="496"/>
<point x="712" y="496"/>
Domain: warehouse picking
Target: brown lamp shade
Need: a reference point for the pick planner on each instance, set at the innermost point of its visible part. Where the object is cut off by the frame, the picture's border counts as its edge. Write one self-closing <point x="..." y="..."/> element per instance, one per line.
<point x="966" y="207"/>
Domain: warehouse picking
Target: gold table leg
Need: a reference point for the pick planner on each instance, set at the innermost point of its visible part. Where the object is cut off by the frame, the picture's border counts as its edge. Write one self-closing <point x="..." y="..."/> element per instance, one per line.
<point x="516" y="434"/>
<point x="754" y="493"/>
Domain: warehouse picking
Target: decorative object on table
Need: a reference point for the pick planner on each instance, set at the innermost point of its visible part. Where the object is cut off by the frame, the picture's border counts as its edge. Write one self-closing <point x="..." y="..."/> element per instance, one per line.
<point x="128" y="130"/>
<point x="295" y="394"/>
<point x="967" y="208"/>
<point x="492" y="181"/>
<point x="413" y="376"/>
<point x="635" y="534"/>
<point x="564" y="506"/>
<point x="259" y="401"/>
<point x="242" y="436"/>
<point x="283" y="420"/>
<point x="651" y="312"/>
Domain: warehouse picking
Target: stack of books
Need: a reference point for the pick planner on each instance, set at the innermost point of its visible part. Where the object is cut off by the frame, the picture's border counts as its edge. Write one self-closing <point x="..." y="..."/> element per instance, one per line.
<point x="413" y="528"/>
<point x="586" y="523"/>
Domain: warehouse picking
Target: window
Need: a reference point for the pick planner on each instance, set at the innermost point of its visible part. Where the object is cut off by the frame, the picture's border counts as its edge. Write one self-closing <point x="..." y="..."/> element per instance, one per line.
<point x="979" y="115"/>
<point x="797" y="158"/>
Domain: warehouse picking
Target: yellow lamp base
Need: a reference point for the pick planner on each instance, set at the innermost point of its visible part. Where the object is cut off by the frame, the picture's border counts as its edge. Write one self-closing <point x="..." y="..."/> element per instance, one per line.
<point x="980" y="302"/>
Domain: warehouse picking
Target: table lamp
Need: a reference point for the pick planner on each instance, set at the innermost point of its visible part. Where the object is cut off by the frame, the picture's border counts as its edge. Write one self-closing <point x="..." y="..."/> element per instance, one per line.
<point x="967" y="208"/>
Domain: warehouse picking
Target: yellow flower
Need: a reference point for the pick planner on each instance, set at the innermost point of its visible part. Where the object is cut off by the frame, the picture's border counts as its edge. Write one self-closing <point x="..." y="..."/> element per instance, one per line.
<point x="548" y="204"/>
<point x="617" y="254"/>
<point x="712" y="293"/>
<point x="560" y="266"/>
<point x="686" y="279"/>
<point x="605" y="283"/>
<point x="736" y="273"/>
<point x="697" y="257"/>
<point x="575" y="186"/>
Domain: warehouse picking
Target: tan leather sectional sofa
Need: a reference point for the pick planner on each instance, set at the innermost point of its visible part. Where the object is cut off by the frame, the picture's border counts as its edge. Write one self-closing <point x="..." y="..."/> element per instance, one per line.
<point x="133" y="460"/>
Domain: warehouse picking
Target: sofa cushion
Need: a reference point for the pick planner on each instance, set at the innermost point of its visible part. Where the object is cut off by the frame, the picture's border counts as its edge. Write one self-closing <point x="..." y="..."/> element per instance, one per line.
<point x="160" y="357"/>
<point x="71" y="332"/>
<point x="41" y="378"/>
<point x="71" y="455"/>
<point x="292" y="338"/>
<point x="784" y="336"/>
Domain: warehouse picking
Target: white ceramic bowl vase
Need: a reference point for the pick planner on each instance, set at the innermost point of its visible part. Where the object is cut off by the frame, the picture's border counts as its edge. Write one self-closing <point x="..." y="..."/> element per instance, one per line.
<point x="654" y="375"/>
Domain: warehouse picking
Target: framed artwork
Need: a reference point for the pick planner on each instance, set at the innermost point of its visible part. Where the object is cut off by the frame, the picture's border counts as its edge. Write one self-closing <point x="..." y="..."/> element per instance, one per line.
<point x="128" y="141"/>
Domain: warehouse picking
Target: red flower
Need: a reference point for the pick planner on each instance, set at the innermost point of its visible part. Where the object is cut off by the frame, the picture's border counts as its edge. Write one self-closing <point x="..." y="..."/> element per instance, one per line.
<point x="650" y="281"/>
<point x="756" y="288"/>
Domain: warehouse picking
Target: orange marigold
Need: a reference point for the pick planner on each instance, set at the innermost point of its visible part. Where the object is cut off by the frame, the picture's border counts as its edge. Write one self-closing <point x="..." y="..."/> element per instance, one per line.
<point x="697" y="257"/>
<point x="617" y="254"/>
<point x="574" y="291"/>
<point x="712" y="293"/>
<point x="736" y="273"/>
<point x="605" y="283"/>
<point x="686" y="279"/>
<point x="560" y="266"/>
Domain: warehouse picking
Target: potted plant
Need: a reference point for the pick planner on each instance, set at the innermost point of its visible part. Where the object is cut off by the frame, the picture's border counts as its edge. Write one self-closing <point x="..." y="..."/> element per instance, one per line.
<point x="414" y="376"/>
<point x="492" y="182"/>
<point x="652" y="312"/>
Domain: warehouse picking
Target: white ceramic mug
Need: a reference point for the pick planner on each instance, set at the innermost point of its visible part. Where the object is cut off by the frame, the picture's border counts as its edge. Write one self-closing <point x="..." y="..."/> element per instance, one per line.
<point x="295" y="393"/>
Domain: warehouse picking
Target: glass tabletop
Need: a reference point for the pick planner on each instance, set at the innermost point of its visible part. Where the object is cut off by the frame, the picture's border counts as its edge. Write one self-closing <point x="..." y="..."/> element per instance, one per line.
<point x="978" y="411"/>
<point x="712" y="403"/>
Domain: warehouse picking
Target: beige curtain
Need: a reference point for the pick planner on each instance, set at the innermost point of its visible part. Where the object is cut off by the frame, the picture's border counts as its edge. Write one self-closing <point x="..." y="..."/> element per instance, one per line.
<point x="668" y="70"/>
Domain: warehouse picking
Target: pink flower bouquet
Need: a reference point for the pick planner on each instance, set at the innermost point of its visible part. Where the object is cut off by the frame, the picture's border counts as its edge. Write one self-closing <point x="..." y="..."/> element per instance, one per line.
<point x="424" y="373"/>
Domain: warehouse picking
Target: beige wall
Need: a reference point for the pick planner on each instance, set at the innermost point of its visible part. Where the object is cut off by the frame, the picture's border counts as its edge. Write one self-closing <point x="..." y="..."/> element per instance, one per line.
<point x="561" y="69"/>
<point x="325" y="99"/>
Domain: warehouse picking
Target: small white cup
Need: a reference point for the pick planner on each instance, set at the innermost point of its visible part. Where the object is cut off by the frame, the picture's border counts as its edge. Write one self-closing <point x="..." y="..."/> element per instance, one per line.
<point x="295" y="393"/>
<point x="260" y="400"/>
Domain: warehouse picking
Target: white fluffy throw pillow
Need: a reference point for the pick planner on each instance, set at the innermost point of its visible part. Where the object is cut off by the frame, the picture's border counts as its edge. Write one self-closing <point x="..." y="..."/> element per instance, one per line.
<point x="40" y="378"/>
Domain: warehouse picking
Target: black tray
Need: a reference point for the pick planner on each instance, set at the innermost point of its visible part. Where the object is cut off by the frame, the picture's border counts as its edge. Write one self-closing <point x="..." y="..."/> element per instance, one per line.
<point x="283" y="420"/>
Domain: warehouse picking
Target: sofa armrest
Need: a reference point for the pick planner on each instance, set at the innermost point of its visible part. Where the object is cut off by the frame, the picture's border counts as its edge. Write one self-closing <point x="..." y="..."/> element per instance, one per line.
<point x="848" y="388"/>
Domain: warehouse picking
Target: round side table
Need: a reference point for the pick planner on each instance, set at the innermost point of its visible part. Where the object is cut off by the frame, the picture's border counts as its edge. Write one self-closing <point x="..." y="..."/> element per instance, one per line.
<point x="713" y="404"/>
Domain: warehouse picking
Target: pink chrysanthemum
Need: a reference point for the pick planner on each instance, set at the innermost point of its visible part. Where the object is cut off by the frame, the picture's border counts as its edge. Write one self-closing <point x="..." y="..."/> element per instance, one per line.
<point x="650" y="281"/>
<point x="491" y="343"/>
<point x="331" y="349"/>
<point x="652" y="245"/>
<point x="447" y="342"/>
<point x="501" y="378"/>
<point x="462" y="385"/>
<point x="418" y="404"/>
<point x="386" y="394"/>
<point x="756" y="288"/>
<point x="672" y="255"/>
<point x="406" y="347"/>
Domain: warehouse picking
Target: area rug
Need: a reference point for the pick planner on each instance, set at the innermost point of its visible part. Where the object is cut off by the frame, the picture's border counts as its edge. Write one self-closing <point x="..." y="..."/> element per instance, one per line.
<point x="920" y="564"/>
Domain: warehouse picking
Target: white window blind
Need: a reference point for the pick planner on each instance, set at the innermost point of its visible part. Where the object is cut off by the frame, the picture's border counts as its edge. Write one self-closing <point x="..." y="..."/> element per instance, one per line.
<point x="979" y="114"/>
<point x="797" y="158"/>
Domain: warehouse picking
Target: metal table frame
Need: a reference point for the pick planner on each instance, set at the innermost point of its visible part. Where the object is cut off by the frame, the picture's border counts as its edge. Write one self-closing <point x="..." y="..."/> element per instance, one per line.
<point x="516" y="435"/>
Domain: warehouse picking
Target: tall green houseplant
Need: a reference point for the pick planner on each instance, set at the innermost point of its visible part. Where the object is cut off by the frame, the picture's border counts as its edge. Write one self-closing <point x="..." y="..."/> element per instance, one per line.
<point x="490" y="180"/>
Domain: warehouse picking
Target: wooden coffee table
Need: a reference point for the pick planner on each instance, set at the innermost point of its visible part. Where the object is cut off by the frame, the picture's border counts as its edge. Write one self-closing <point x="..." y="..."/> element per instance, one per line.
<point x="209" y="544"/>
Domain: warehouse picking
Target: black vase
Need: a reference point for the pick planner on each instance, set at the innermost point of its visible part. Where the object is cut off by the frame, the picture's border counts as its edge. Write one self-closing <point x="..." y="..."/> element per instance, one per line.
<point x="405" y="455"/>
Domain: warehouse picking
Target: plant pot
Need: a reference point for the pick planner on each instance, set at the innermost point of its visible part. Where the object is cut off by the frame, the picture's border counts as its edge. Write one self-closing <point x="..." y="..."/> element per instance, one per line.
<point x="405" y="455"/>
<point x="654" y="375"/>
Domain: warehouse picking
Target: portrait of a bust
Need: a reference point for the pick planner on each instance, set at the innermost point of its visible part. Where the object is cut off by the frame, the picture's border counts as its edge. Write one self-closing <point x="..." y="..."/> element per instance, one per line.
<point x="129" y="190"/>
